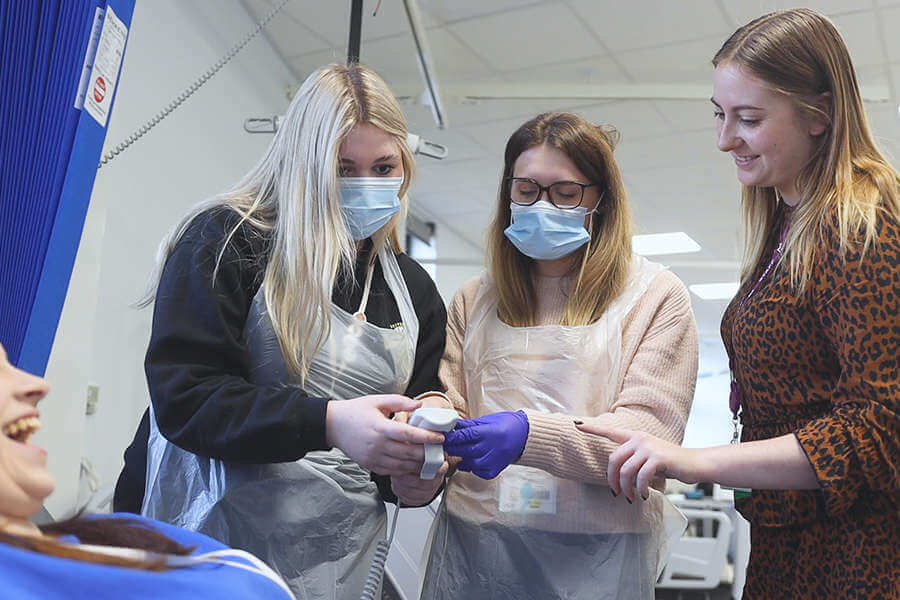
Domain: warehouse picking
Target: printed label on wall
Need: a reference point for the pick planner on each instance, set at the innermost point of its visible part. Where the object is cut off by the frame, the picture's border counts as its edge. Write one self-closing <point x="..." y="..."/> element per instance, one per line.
<point x="102" y="81"/>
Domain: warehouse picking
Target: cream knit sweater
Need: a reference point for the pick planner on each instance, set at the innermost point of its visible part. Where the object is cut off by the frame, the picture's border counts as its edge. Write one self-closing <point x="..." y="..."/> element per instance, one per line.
<point x="656" y="384"/>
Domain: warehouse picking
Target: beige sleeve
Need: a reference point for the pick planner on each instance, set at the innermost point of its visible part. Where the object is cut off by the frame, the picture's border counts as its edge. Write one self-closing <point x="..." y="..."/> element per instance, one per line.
<point x="450" y="370"/>
<point x="655" y="395"/>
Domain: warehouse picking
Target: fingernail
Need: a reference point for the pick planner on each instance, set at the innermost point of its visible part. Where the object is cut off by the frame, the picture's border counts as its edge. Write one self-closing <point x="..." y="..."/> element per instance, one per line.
<point x="579" y="422"/>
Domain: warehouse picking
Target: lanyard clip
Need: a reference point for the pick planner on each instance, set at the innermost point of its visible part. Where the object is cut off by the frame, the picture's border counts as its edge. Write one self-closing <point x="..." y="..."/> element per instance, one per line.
<point x="736" y="436"/>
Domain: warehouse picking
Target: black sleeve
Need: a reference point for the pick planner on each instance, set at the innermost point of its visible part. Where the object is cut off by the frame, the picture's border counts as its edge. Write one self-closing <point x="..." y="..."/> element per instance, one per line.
<point x="196" y="361"/>
<point x="129" y="493"/>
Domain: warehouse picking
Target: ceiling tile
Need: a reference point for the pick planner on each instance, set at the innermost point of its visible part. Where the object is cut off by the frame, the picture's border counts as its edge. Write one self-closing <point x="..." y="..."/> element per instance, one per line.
<point x="599" y="69"/>
<point x="688" y="115"/>
<point x="891" y="24"/>
<point x="458" y="10"/>
<point x="628" y="25"/>
<point x="480" y="173"/>
<point x="463" y="200"/>
<point x="288" y="35"/>
<point x="469" y="226"/>
<point x="860" y="32"/>
<point x="685" y="149"/>
<point x="634" y="119"/>
<point x="895" y="78"/>
<point x="331" y="19"/>
<point x="872" y="75"/>
<point x="394" y="58"/>
<point x="884" y="120"/>
<point x="532" y="36"/>
<point x="744" y="11"/>
<point x="686" y="62"/>
<point x="465" y="112"/>
<point x="493" y="135"/>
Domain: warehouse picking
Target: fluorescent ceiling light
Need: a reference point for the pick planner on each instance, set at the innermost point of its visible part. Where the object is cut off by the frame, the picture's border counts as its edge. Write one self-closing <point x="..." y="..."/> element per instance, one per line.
<point x="675" y="242"/>
<point x="716" y="291"/>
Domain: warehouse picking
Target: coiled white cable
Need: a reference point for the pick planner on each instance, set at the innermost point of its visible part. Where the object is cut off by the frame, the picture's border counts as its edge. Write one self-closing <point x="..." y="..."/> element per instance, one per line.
<point x="187" y="93"/>
<point x="376" y="571"/>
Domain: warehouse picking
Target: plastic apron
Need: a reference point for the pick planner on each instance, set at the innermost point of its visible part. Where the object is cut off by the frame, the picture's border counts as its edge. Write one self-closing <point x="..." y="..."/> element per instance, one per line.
<point x="526" y="533"/>
<point x="316" y="521"/>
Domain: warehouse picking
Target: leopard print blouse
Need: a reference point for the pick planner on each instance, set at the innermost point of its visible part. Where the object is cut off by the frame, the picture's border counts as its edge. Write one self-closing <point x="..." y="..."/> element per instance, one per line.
<point x="824" y="366"/>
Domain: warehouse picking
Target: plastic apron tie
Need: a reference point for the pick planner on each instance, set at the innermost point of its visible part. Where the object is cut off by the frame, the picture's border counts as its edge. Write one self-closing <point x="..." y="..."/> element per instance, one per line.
<point x="526" y="533"/>
<point x="317" y="520"/>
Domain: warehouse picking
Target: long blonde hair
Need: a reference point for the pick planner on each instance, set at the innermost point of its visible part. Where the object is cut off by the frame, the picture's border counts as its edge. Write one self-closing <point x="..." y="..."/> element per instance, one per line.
<point x="800" y="54"/>
<point x="292" y="195"/>
<point x="604" y="261"/>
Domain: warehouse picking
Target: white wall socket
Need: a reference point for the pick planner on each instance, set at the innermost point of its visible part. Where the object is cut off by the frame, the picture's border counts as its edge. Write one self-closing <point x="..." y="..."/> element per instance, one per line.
<point x="93" y="396"/>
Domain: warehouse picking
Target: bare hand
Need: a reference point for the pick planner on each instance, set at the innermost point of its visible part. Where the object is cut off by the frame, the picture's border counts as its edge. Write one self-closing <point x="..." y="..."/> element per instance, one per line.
<point x="642" y="457"/>
<point x="360" y="427"/>
<point x="413" y="491"/>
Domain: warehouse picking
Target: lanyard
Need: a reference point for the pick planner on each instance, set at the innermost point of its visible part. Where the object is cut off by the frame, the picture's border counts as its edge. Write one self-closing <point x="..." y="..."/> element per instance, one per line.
<point x="734" y="397"/>
<point x="360" y="313"/>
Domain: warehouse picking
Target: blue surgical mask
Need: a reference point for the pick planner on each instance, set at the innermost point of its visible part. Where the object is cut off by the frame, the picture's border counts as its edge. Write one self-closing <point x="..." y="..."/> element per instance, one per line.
<point x="369" y="203"/>
<point x="545" y="232"/>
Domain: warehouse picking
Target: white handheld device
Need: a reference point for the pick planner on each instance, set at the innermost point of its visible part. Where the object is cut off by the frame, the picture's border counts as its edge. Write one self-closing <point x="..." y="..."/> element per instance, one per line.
<point x="434" y="419"/>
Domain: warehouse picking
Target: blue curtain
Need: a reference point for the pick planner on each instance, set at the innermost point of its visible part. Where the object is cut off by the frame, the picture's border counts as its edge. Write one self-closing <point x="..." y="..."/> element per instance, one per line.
<point x="49" y="151"/>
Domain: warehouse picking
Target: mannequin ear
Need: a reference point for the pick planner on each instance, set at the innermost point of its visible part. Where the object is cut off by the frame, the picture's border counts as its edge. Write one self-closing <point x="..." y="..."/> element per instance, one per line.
<point x="818" y="125"/>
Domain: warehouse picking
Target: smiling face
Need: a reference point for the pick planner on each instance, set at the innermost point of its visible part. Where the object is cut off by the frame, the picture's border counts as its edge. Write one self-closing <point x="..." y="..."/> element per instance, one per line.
<point x="369" y="151"/>
<point x="24" y="479"/>
<point x="763" y="131"/>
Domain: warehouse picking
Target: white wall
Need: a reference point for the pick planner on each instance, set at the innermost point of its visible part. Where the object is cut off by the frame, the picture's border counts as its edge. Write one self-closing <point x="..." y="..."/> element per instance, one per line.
<point x="457" y="260"/>
<point x="709" y="423"/>
<point x="196" y="152"/>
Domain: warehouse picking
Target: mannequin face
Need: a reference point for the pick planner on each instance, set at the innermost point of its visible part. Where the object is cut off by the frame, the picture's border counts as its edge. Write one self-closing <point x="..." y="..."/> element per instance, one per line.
<point x="763" y="131"/>
<point x="24" y="479"/>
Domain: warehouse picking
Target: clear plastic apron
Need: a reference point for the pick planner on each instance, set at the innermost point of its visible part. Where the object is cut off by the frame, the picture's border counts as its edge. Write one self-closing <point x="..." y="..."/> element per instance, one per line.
<point x="316" y="521"/>
<point x="526" y="533"/>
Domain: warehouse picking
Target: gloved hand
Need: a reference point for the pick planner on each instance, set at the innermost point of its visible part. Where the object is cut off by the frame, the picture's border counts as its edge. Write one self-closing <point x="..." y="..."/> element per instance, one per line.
<point x="488" y="444"/>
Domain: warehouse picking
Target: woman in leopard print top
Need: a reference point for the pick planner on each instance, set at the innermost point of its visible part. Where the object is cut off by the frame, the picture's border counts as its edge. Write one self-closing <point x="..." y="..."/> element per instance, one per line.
<point x="813" y="334"/>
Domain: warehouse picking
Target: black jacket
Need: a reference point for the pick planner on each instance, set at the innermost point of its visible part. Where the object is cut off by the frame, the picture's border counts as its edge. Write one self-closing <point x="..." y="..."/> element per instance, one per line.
<point x="196" y="362"/>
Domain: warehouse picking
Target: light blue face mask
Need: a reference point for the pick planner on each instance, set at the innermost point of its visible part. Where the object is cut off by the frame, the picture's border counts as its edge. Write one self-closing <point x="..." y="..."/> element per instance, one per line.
<point x="545" y="232"/>
<point x="369" y="203"/>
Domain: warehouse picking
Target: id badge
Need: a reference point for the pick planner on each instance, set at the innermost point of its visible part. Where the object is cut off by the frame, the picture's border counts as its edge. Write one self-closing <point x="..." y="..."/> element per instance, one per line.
<point x="527" y="491"/>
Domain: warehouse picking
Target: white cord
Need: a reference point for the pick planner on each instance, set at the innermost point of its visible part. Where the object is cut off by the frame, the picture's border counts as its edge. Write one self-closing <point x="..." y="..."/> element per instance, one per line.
<point x="187" y="93"/>
<point x="376" y="571"/>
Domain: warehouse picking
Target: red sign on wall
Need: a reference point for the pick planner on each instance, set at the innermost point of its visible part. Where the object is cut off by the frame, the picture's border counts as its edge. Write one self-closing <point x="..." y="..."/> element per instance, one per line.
<point x="99" y="89"/>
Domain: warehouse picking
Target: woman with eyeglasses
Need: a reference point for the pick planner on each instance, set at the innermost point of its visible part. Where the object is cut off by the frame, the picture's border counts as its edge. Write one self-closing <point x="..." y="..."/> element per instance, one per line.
<point x="567" y="323"/>
<point x="288" y="326"/>
<point x="813" y="334"/>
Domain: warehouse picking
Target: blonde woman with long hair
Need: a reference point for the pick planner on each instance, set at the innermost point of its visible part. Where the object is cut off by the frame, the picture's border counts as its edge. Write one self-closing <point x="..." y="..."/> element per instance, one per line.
<point x="288" y="325"/>
<point x="813" y="334"/>
<point x="567" y="323"/>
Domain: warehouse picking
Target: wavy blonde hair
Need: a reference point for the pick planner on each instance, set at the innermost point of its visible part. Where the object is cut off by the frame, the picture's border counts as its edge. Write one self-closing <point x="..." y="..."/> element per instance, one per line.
<point x="604" y="261"/>
<point x="799" y="53"/>
<point x="292" y="195"/>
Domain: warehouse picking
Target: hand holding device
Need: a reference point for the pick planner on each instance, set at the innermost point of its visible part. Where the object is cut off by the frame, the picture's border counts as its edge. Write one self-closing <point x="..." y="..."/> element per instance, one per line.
<point x="488" y="444"/>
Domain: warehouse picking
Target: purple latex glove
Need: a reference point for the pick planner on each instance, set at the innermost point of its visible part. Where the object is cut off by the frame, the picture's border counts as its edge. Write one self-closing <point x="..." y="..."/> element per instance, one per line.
<point x="488" y="444"/>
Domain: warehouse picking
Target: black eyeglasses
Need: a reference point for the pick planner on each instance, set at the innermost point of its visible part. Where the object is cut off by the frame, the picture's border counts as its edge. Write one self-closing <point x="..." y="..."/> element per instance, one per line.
<point x="562" y="194"/>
